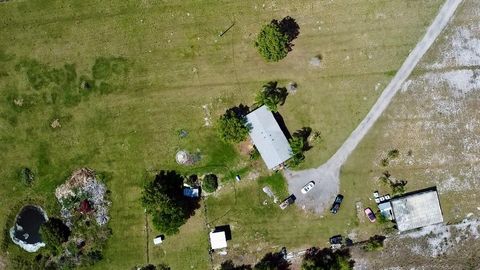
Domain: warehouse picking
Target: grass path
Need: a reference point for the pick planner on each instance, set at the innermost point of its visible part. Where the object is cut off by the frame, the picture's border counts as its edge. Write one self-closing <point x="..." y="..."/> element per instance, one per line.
<point x="328" y="173"/>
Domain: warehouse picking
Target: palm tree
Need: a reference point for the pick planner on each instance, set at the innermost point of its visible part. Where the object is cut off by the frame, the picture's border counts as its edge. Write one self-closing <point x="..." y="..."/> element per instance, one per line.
<point x="271" y="96"/>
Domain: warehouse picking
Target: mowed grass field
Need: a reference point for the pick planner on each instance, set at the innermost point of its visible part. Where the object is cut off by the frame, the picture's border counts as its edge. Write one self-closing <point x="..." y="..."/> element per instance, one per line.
<point x="176" y="63"/>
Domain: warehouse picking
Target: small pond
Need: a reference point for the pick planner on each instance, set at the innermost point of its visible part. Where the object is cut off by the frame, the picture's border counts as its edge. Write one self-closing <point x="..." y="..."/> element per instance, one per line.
<point x="26" y="231"/>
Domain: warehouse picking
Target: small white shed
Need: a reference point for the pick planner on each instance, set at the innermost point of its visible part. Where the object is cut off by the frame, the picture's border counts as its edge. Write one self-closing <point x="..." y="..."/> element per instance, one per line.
<point x="218" y="240"/>
<point x="158" y="240"/>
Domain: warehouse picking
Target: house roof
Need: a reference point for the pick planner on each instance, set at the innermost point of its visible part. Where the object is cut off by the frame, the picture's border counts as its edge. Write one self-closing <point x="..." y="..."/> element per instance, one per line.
<point x="267" y="136"/>
<point x="218" y="240"/>
<point x="417" y="210"/>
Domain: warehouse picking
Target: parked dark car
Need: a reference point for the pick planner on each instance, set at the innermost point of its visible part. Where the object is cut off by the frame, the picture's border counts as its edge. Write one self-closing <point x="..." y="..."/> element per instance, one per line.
<point x="287" y="201"/>
<point x="337" y="239"/>
<point x="336" y="204"/>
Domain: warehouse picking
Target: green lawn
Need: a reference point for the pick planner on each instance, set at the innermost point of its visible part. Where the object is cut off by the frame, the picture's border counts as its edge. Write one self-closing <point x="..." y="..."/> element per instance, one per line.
<point x="176" y="63"/>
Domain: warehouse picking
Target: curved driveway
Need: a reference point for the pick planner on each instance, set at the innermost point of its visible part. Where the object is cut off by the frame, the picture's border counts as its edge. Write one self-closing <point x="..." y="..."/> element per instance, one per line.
<point x="326" y="176"/>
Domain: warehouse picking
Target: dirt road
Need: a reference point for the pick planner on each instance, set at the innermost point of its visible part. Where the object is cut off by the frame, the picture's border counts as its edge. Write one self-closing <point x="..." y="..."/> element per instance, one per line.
<point x="327" y="175"/>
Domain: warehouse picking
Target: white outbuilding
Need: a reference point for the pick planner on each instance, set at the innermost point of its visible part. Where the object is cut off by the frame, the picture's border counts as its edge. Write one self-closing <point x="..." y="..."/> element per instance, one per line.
<point x="158" y="240"/>
<point x="218" y="239"/>
<point x="268" y="137"/>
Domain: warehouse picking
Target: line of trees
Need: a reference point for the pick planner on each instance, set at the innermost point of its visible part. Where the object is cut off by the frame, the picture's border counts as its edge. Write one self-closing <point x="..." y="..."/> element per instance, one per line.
<point x="314" y="259"/>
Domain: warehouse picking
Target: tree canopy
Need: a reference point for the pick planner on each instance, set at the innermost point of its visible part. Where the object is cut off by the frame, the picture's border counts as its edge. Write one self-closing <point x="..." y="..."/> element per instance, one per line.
<point x="274" y="40"/>
<point x="232" y="126"/>
<point x="163" y="199"/>
<point x="271" y="96"/>
<point x="272" y="43"/>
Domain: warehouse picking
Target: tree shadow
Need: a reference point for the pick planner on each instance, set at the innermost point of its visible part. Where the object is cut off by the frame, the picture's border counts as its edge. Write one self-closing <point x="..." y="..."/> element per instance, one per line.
<point x="240" y="110"/>
<point x="280" y="93"/>
<point x="229" y="265"/>
<point x="304" y="133"/>
<point x="226" y="229"/>
<point x="290" y="27"/>
<point x="273" y="261"/>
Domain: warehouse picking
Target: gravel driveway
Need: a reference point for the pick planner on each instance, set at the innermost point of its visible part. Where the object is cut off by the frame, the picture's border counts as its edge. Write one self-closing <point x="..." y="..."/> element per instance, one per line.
<point x="326" y="177"/>
<point x="321" y="196"/>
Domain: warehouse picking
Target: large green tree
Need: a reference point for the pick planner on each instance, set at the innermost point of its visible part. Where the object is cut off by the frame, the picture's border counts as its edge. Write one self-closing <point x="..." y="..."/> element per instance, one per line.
<point x="232" y="126"/>
<point x="272" y="43"/>
<point x="163" y="199"/>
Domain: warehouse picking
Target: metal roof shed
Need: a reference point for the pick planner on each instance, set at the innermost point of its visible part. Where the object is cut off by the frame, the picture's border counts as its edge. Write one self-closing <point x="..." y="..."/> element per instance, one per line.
<point x="417" y="210"/>
<point x="267" y="136"/>
<point x="218" y="240"/>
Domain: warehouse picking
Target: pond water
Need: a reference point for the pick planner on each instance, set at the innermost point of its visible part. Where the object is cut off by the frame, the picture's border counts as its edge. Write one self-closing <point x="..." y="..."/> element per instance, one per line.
<point x="26" y="232"/>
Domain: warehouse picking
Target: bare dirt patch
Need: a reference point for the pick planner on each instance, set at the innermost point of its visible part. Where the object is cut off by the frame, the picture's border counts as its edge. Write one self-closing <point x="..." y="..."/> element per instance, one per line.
<point x="434" y="247"/>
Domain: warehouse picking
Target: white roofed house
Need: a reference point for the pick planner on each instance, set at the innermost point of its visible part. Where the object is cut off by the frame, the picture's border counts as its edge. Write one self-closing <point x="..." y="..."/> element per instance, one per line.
<point x="268" y="137"/>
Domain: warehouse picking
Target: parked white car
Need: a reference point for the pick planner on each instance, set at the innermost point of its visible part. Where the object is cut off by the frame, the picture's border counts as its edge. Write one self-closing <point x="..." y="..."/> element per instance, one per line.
<point x="308" y="187"/>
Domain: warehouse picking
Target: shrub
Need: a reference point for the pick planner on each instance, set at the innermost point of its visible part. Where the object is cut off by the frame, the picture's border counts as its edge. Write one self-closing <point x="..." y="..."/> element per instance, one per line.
<point x="254" y="154"/>
<point x="319" y="259"/>
<point x="393" y="153"/>
<point x="27" y="176"/>
<point x="210" y="183"/>
<point x="398" y="186"/>
<point x="374" y="243"/>
<point x="385" y="162"/>
<point x="297" y="146"/>
<point x="272" y="43"/>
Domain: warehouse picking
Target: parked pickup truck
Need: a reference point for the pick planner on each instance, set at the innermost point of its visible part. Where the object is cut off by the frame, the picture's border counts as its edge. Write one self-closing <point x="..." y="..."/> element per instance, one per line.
<point x="287" y="201"/>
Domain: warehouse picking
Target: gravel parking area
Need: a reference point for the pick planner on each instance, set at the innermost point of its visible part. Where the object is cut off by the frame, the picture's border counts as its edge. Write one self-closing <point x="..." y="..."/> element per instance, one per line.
<point x="321" y="196"/>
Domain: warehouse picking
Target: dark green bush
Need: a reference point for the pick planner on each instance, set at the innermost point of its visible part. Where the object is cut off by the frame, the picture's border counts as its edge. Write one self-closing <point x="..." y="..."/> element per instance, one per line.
<point x="27" y="176"/>
<point x="210" y="183"/>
